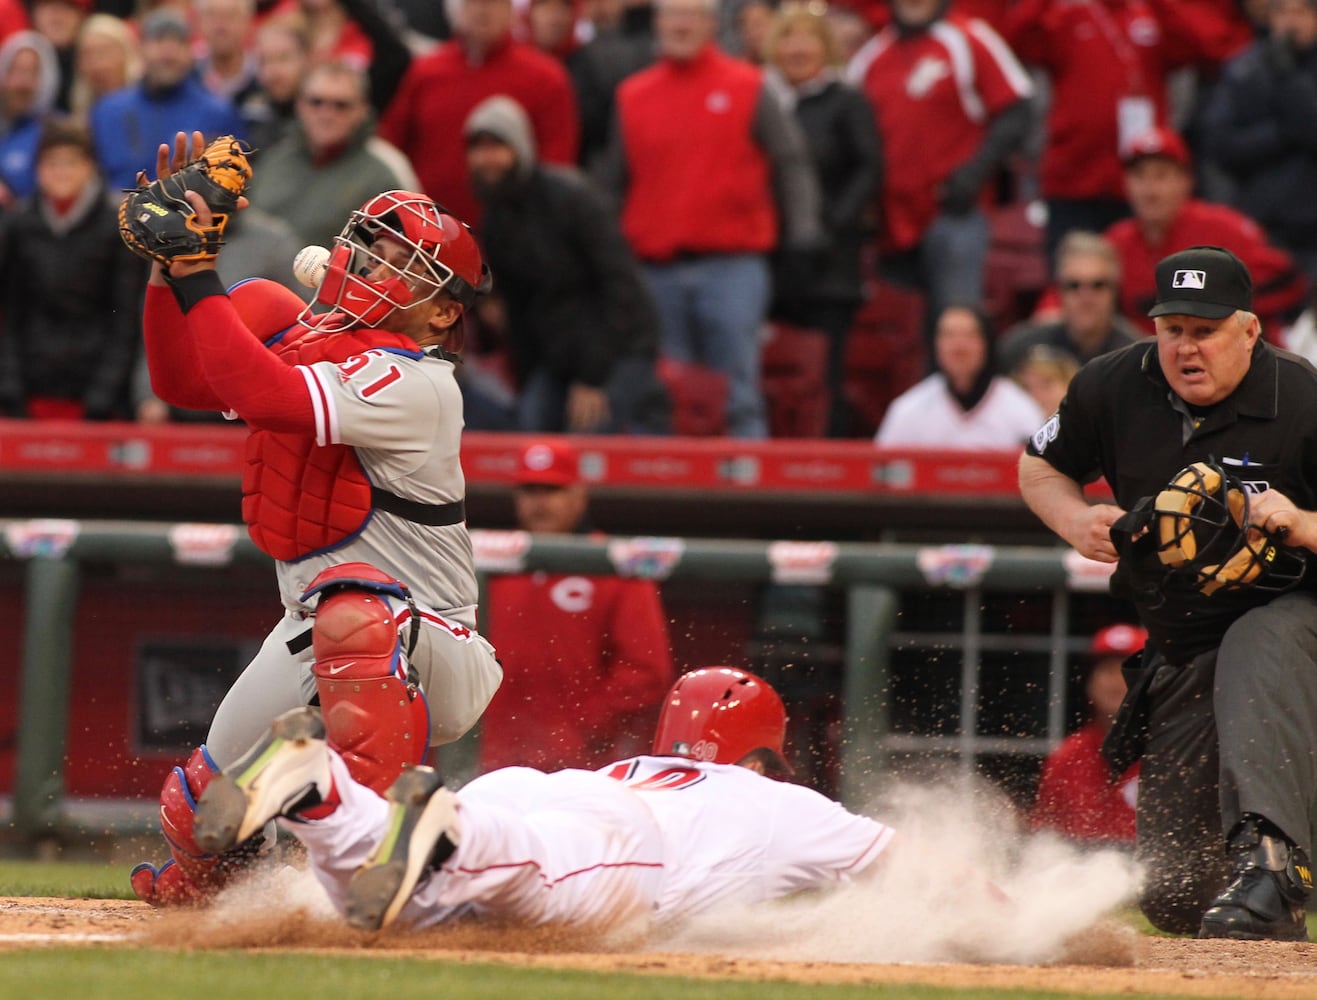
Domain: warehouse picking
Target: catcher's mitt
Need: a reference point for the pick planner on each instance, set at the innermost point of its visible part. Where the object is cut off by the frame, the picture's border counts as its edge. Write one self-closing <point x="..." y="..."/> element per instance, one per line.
<point x="157" y="223"/>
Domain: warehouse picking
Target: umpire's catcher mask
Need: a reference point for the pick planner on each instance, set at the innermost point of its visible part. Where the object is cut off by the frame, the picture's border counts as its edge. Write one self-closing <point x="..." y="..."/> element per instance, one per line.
<point x="722" y="715"/>
<point x="362" y="287"/>
<point x="1201" y="527"/>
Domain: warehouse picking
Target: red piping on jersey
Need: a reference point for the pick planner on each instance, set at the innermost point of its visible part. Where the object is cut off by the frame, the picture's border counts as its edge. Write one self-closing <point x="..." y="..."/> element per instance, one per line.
<point x="536" y="865"/>
<point x="455" y="630"/>
<point x="885" y="835"/>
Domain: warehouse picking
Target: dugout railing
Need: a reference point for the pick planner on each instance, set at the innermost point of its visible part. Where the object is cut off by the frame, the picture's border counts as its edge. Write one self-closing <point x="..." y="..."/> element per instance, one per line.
<point x="884" y="586"/>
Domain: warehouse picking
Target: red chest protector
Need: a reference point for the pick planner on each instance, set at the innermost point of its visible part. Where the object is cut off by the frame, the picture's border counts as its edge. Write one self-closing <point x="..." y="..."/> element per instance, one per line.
<point x="298" y="497"/>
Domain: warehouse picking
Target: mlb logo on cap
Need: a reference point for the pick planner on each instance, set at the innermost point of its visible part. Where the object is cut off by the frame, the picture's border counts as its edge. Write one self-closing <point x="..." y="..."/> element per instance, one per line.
<point x="1206" y="282"/>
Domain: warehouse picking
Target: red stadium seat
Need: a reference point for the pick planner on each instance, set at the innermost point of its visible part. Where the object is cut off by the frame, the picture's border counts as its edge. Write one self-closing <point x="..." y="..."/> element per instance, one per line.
<point x="794" y="379"/>
<point x="699" y="398"/>
<point x="1016" y="272"/>
<point x="885" y="354"/>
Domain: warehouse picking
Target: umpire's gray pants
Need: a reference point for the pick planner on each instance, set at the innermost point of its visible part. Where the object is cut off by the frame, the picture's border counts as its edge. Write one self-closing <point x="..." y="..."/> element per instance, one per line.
<point x="1231" y="732"/>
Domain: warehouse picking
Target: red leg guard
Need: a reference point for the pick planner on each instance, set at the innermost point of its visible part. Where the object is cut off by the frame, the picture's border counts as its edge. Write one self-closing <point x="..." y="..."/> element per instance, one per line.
<point x="191" y="875"/>
<point x="375" y="717"/>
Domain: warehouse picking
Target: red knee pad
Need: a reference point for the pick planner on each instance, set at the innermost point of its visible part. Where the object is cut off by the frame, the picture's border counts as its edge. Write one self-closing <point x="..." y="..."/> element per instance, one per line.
<point x="376" y="717"/>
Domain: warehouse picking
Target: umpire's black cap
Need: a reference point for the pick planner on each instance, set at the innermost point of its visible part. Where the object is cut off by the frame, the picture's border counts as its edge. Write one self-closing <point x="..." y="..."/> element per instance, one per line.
<point x="1208" y="282"/>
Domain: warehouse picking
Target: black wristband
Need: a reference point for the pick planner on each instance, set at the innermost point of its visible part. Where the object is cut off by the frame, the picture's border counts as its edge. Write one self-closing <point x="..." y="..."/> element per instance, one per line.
<point x="192" y="288"/>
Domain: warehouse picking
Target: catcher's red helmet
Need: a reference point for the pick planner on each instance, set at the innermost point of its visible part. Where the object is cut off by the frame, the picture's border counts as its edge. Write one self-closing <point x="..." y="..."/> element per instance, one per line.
<point x="444" y="257"/>
<point x="720" y="714"/>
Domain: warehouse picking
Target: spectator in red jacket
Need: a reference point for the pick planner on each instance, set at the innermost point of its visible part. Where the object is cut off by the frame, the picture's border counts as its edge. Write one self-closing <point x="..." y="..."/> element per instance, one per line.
<point x="1167" y="218"/>
<point x="1107" y="62"/>
<point x="586" y="659"/>
<point x="440" y="90"/>
<point x="952" y="103"/>
<point x="712" y="176"/>
<point x="1078" y="796"/>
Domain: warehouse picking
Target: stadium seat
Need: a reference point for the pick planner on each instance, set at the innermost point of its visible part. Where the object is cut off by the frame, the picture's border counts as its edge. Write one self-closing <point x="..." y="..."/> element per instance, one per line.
<point x="699" y="398"/>
<point x="1016" y="271"/>
<point x="885" y="354"/>
<point x="794" y="380"/>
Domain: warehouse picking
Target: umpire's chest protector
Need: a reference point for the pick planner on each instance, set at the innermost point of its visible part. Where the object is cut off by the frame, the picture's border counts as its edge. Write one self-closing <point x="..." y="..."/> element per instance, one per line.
<point x="300" y="498"/>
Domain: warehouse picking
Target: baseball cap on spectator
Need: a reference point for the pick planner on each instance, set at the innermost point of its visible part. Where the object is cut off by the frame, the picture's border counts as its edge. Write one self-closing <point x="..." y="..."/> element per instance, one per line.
<point x="1157" y="142"/>
<point x="1204" y="281"/>
<point x="166" y="22"/>
<point x="1117" y="640"/>
<point x="549" y="462"/>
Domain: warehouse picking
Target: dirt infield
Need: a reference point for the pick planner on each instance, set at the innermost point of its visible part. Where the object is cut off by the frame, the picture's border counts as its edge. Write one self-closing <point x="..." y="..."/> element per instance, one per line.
<point x="1110" y="959"/>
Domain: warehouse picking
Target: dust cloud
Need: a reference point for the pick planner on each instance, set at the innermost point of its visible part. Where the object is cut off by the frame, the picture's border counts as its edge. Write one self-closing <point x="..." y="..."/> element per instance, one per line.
<point x="960" y="884"/>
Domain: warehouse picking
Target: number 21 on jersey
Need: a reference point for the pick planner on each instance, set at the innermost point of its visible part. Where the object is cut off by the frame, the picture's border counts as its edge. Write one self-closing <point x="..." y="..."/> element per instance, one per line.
<point x="359" y="363"/>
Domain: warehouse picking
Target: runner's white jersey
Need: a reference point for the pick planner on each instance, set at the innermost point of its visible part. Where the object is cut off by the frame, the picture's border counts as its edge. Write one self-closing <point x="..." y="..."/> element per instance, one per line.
<point x="732" y="834"/>
<point x="403" y="415"/>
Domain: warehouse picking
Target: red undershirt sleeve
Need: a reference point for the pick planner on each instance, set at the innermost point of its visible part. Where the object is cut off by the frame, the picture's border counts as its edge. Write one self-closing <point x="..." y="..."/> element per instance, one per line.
<point x="248" y="379"/>
<point x="176" y="375"/>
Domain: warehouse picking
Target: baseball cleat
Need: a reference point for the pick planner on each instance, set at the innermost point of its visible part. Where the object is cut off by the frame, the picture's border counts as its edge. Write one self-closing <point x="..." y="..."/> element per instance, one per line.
<point x="285" y="771"/>
<point x="420" y="835"/>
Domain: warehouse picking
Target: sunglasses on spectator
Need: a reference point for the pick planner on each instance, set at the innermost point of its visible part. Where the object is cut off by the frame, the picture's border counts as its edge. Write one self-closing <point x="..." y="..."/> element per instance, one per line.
<point x="337" y="103"/>
<point x="1096" y="285"/>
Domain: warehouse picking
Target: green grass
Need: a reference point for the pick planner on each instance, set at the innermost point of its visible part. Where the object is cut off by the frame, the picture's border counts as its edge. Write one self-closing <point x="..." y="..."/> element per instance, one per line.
<point x="95" y="974"/>
<point x="70" y="879"/>
<point x="113" y="973"/>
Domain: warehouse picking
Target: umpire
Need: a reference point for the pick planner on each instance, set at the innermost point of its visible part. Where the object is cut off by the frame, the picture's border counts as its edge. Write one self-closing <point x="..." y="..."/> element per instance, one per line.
<point x="1223" y="704"/>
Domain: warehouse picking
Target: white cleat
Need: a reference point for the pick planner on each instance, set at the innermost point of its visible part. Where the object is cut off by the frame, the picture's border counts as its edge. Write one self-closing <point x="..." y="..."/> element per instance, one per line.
<point x="420" y="835"/>
<point x="285" y="771"/>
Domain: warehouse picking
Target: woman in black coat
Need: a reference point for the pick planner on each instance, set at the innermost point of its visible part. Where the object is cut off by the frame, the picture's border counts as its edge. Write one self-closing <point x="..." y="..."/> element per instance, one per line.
<point x="824" y="292"/>
<point x="70" y="319"/>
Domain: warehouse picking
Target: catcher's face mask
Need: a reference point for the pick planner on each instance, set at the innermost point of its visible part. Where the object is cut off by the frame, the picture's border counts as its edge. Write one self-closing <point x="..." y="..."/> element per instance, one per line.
<point x="1202" y="528"/>
<point x="398" y="250"/>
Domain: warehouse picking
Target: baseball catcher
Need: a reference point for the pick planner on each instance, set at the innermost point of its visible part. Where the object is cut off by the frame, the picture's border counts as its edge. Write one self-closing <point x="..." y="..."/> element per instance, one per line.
<point x="158" y="222"/>
<point x="353" y="483"/>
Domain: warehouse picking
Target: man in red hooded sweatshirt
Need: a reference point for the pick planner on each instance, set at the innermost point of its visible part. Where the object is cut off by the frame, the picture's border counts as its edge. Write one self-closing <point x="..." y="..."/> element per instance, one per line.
<point x="586" y="659"/>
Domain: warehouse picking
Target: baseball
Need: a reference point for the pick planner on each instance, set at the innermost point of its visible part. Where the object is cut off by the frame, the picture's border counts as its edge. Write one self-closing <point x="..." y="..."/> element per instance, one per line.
<point x="309" y="265"/>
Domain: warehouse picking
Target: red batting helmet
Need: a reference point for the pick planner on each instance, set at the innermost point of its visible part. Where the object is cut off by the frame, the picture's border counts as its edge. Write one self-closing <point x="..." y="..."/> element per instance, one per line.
<point x="720" y="714"/>
<point x="444" y="257"/>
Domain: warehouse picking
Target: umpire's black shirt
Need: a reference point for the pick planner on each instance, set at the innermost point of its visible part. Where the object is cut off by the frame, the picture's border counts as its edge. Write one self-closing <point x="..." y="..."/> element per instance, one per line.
<point x="1121" y="420"/>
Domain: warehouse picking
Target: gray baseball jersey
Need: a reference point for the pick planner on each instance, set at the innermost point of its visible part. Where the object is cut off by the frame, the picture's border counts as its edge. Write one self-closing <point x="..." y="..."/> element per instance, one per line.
<point x="403" y="415"/>
<point x="404" y="418"/>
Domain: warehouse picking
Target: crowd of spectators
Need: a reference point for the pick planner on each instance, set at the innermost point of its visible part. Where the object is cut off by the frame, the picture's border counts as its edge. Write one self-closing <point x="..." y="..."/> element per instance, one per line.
<point x="663" y="185"/>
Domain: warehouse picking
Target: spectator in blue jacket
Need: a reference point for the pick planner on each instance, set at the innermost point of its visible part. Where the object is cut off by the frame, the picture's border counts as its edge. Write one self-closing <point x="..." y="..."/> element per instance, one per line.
<point x="130" y="124"/>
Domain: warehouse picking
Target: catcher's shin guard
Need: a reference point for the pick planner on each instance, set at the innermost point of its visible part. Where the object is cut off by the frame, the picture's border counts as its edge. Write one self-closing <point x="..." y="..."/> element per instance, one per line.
<point x="192" y="874"/>
<point x="375" y="713"/>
